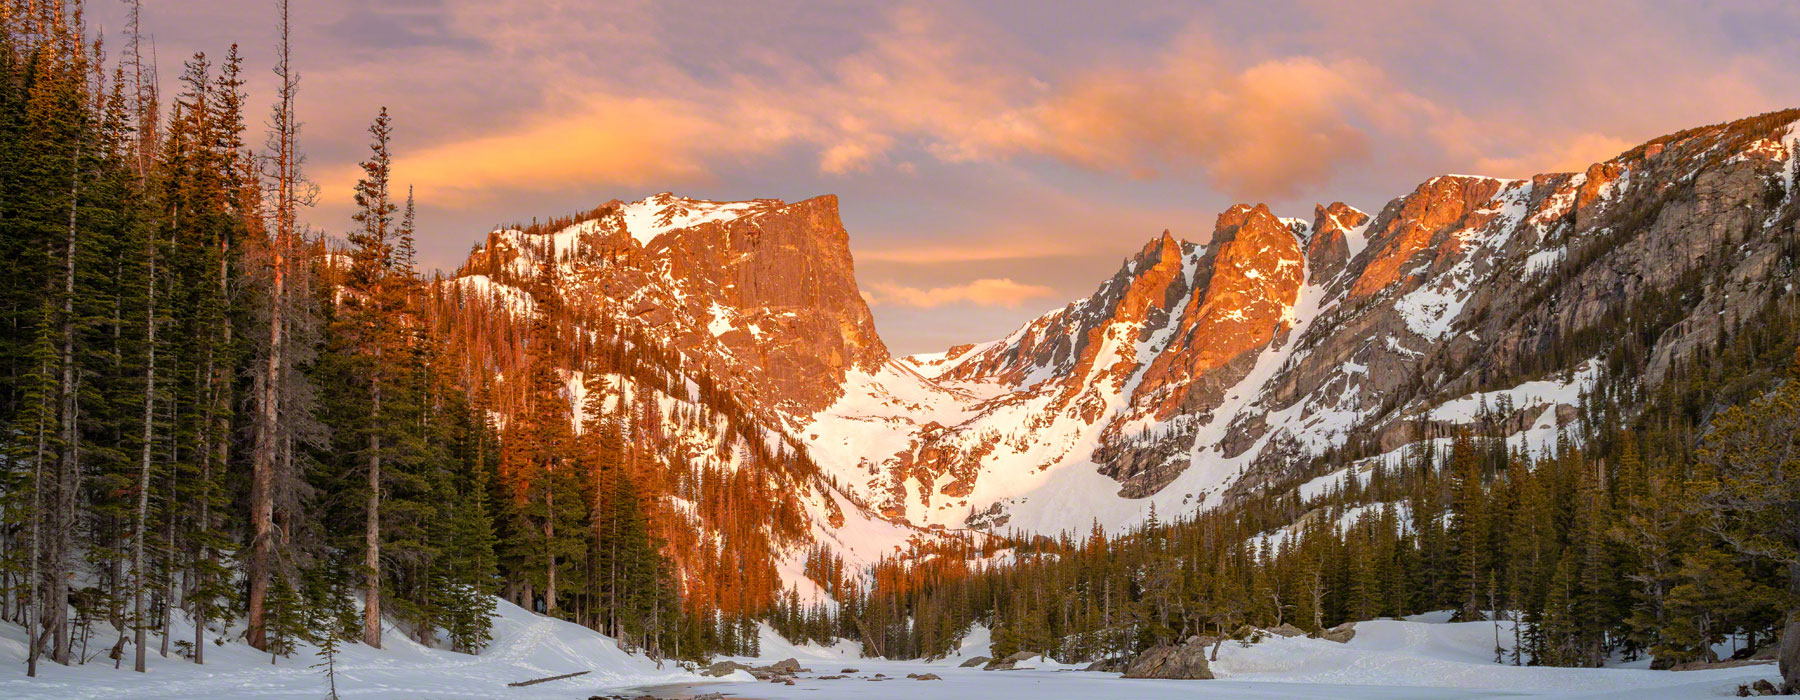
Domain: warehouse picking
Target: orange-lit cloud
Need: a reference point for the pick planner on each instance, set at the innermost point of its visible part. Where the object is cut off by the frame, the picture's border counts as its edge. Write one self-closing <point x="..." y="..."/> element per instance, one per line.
<point x="1263" y="130"/>
<point x="1573" y="154"/>
<point x="606" y="140"/>
<point x="1002" y="292"/>
<point x="1248" y="124"/>
<point x="936" y="254"/>
<point x="1255" y="129"/>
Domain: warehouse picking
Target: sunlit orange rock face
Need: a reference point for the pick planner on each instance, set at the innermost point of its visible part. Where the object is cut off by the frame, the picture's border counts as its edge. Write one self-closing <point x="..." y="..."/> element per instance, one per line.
<point x="1328" y="248"/>
<point x="786" y="273"/>
<point x="1255" y="274"/>
<point x="1067" y="341"/>
<point x="1440" y="205"/>
<point x="765" y="298"/>
<point x="1243" y="290"/>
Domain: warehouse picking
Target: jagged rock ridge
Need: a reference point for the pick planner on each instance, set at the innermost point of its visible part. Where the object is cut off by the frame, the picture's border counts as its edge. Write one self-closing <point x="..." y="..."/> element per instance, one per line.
<point x="1197" y="369"/>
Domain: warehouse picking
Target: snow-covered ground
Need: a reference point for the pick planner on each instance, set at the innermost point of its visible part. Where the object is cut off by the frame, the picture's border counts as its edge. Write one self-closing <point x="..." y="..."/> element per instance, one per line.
<point x="1418" y="658"/>
<point x="525" y="646"/>
<point x="1421" y="658"/>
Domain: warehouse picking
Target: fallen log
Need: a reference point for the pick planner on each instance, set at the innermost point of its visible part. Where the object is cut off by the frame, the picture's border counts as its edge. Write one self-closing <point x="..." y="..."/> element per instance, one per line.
<point x="536" y="681"/>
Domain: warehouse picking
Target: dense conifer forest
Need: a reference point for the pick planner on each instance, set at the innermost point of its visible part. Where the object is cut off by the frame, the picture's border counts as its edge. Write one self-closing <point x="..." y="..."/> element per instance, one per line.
<point x="1658" y="526"/>
<point x="213" y="410"/>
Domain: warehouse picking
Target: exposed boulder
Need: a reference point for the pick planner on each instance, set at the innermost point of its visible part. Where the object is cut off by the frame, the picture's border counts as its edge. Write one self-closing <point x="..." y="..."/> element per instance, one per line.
<point x="976" y="661"/>
<point x="1010" y="662"/>
<point x="785" y="666"/>
<point x="1341" y="634"/>
<point x="1108" y="665"/>
<point x="1287" y="629"/>
<point x="1185" y="661"/>
<point x="1790" y="657"/>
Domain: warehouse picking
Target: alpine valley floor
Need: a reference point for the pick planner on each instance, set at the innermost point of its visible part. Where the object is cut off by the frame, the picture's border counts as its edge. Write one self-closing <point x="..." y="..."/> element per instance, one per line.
<point x="1422" y="657"/>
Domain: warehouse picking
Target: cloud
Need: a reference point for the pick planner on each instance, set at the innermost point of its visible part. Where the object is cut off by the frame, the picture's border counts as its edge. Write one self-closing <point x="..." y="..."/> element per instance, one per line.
<point x="1256" y="129"/>
<point x="1263" y="130"/>
<point x="982" y="292"/>
<point x="607" y="140"/>
<point x="1573" y="154"/>
<point x="1251" y="123"/>
<point x="939" y="254"/>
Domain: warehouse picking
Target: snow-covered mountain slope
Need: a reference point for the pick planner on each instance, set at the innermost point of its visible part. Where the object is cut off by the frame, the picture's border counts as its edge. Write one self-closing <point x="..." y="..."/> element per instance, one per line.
<point x="1198" y="370"/>
<point x="1201" y="370"/>
<point x="697" y="329"/>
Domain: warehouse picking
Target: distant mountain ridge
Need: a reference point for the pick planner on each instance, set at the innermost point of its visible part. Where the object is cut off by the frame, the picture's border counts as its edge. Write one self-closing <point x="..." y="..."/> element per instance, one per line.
<point x="1197" y="370"/>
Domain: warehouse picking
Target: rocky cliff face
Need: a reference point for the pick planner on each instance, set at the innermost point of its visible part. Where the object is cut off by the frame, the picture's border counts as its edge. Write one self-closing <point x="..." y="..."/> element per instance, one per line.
<point x="762" y="293"/>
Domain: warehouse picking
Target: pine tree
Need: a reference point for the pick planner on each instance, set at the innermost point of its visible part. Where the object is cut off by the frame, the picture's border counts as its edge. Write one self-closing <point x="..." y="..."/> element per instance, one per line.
<point x="1468" y="525"/>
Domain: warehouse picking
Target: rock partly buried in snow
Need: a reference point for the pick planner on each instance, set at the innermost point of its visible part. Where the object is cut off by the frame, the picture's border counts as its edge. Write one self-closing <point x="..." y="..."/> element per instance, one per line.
<point x="724" y="668"/>
<point x="1108" y="666"/>
<point x="1341" y="634"/>
<point x="785" y="666"/>
<point x="1287" y="629"/>
<point x="977" y="661"/>
<point x="1790" y="657"/>
<point x="1008" y="663"/>
<point x="1185" y="661"/>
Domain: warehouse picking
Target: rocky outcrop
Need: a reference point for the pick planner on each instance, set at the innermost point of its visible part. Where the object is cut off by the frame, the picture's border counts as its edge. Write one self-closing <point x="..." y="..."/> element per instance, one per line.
<point x="1328" y="249"/>
<point x="1184" y="661"/>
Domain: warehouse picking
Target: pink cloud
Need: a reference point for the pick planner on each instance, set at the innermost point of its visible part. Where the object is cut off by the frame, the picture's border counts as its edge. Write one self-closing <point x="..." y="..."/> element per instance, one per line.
<point x="1002" y="292"/>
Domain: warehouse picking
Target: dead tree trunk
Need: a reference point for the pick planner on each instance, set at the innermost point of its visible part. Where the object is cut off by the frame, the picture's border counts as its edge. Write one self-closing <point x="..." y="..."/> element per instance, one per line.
<point x="143" y="484"/>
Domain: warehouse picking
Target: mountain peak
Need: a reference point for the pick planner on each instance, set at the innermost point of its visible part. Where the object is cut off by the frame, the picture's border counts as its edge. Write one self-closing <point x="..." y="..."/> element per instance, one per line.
<point x="1336" y="237"/>
<point x="653" y="216"/>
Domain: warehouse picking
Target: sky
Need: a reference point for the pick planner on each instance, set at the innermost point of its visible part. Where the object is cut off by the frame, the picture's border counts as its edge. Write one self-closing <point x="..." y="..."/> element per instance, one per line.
<point x="993" y="160"/>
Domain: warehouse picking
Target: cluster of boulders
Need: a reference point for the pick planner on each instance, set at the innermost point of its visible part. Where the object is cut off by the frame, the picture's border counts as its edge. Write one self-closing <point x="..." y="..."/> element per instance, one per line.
<point x="786" y="670"/>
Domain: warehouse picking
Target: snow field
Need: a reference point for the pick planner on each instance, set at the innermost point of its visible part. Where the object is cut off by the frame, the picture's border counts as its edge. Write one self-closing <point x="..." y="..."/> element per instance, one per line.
<point x="525" y="646"/>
